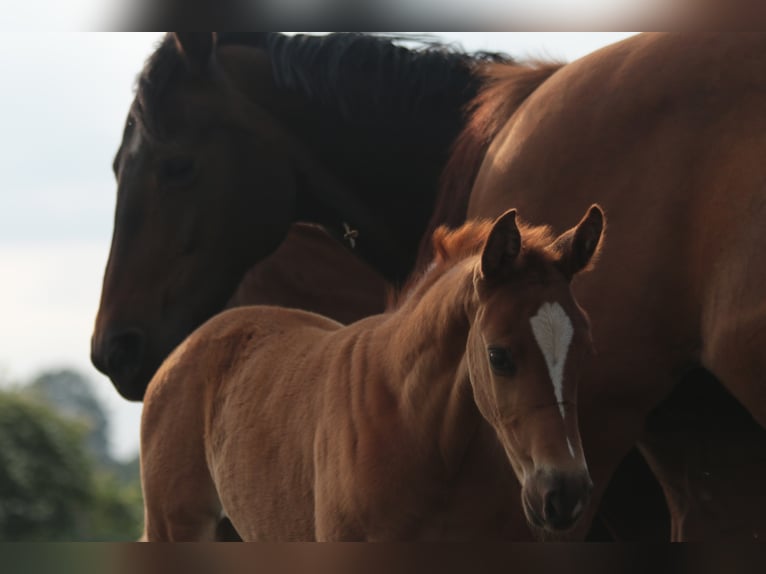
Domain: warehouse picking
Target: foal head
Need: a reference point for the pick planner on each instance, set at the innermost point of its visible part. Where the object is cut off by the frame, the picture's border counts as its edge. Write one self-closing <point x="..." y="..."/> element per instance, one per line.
<point x="528" y="344"/>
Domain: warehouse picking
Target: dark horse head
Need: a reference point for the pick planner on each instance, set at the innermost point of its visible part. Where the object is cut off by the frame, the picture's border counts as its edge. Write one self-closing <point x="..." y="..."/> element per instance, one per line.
<point x="231" y="139"/>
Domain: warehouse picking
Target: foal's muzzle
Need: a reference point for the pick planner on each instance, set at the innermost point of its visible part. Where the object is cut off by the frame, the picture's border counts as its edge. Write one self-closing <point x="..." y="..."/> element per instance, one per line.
<point x="555" y="500"/>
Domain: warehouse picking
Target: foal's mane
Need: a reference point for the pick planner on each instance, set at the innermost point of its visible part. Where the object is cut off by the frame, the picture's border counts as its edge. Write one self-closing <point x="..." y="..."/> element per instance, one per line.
<point x="451" y="246"/>
<point x="365" y="79"/>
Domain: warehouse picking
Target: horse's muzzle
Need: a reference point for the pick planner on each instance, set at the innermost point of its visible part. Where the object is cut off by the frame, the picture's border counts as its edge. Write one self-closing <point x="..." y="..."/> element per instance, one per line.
<point x="120" y="355"/>
<point x="555" y="500"/>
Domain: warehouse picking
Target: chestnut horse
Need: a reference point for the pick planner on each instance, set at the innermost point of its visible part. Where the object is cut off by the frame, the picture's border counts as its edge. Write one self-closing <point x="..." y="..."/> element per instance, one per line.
<point x="403" y="426"/>
<point x="230" y="140"/>
<point x="668" y="134"/>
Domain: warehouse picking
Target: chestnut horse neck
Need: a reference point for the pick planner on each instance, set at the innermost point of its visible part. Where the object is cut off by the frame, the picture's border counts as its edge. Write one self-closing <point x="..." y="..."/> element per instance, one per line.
<point x="504" y="88"/>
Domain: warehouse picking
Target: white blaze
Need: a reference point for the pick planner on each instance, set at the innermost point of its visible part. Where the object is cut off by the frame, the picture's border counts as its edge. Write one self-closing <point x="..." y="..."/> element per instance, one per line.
<point x="569" y="444"/>
<point x="553" y="332"/>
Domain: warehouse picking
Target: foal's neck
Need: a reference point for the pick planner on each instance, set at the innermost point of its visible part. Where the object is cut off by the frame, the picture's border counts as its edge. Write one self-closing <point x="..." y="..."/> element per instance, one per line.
<point x="425" y="361"/>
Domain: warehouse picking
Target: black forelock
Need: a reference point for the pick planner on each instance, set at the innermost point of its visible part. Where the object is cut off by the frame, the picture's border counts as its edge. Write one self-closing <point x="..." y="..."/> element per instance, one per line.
<point x="162" y="69"/>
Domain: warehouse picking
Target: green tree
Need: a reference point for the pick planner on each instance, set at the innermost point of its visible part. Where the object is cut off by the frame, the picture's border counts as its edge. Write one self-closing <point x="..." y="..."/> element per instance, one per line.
<point x="57" y="478"/>
<point x="46" y="475"/>
<point x="71" y="395"/>
<point x="117" y="510"/>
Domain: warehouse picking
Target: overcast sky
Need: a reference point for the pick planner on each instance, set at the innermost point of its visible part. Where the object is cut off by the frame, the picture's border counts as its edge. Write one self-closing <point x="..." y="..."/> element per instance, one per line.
<point x="62" y="108"/>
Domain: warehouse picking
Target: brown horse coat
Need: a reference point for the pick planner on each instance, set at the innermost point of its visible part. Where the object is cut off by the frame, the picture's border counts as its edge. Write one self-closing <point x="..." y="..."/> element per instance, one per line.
<point x="668" y="134"/>
<point x="312" y="271"/>
<point x="406" y="425"/>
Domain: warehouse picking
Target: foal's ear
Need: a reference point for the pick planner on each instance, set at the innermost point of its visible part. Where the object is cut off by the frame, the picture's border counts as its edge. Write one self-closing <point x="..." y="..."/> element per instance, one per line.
<point x="196" y="48"/>
<point x="502" y="246"/>
<point x="577" y="246"/>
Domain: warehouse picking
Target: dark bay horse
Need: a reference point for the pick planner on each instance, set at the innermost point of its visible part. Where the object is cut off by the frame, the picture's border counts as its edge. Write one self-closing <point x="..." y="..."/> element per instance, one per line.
<point x="308" y="270"/>
<point x="668" y="134"/>
<point x="233" y="138"/>
<point x="413" y="424"/>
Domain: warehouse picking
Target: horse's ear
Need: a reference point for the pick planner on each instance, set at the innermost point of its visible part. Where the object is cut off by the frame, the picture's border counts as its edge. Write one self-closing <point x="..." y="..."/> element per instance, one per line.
<point x="196" y="48"/>
<point x="502" y="246"/>
<point x="578" y="246"/>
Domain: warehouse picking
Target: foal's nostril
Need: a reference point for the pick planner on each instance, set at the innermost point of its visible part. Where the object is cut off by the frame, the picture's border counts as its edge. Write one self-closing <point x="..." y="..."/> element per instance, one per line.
<point x="555" y="500"/>
<point x="564" y="504"/>
<point x="554" y="507"/>
<point x="124" y="352"/>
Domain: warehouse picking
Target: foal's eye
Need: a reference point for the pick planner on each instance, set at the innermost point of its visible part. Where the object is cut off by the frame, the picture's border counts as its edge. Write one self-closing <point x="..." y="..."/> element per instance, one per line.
<point x="501" y="361"/>
<point x="176" y="170"/>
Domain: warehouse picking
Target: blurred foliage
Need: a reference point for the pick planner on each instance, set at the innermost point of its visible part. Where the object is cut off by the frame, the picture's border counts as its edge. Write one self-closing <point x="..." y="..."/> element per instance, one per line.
<point x="117" y="512"/>
<point x="45" y="474"/>
<point x="71" y="395"/>
<point x="58" y="481"/>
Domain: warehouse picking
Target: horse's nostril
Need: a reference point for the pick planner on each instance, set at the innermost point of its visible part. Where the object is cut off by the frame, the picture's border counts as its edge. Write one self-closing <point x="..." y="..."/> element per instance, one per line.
<point x="124" y="352"/>
<point x="554" y="507"/>
<point x="564" y="503"/>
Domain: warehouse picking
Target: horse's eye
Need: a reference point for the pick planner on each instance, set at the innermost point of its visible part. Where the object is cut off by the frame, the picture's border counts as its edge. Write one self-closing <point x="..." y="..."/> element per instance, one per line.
<point x="501" y="361"/>
<point x="176" y="170"/>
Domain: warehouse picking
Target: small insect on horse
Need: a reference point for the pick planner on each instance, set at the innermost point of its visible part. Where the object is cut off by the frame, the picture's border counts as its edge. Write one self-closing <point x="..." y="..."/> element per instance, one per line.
<point x="406" y="425"/>
<point x="233" y="138"/>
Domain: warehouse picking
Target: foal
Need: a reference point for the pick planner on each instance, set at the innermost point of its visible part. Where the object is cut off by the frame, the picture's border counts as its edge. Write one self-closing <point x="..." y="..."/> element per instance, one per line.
<point x="403" y="426"/>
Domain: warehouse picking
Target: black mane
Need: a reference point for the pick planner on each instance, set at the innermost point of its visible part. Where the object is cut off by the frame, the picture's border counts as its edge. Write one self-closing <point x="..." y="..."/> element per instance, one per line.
<point x="379" y="116"/>
<point x="365" y="79"/>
